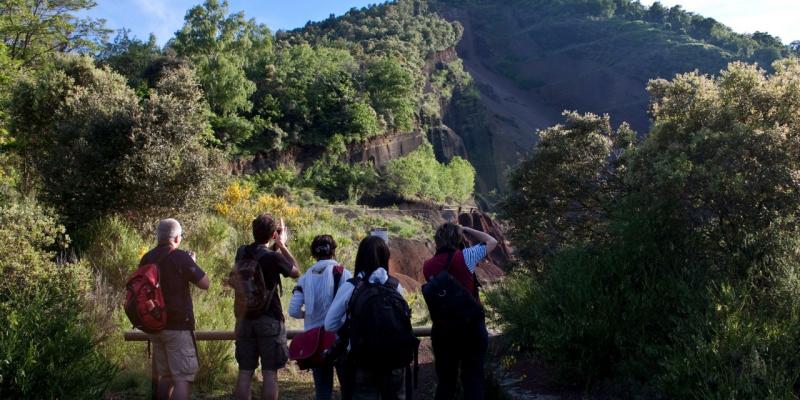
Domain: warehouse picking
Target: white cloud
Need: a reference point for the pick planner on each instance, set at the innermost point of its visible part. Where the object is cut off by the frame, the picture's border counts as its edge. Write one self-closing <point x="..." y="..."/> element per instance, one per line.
<point x="162" y="18"/>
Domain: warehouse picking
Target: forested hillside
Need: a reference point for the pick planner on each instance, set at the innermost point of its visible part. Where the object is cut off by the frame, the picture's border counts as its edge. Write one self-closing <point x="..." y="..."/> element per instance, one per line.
<point x="101" y="138"/>
<point x="532" y="59"/>
<point x="660" y="257"/>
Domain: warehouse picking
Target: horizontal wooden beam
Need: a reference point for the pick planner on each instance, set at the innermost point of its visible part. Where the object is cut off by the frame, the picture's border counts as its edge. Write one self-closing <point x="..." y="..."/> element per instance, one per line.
<point x="139" y="336"/>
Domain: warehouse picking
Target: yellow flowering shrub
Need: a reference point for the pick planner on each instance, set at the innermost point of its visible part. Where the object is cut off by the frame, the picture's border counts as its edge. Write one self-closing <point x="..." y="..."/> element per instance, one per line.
<point x="240" y="205"/>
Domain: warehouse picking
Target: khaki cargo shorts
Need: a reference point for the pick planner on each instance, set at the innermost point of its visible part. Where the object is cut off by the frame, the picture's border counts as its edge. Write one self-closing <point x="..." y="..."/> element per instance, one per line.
<point x="264" y="338"/>
<point x="175" y="355"/>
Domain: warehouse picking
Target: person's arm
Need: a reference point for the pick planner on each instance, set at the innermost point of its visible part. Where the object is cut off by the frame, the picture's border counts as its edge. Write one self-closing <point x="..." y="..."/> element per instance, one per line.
<point x="203" y="283"/>
<point x="334" y="319"/>
<point x="281" y="236"/>
<point x="482" y="237"/>
<point x="296" y="303"/>
<point x="197" y="275"/>
<point x="295" y="272"/>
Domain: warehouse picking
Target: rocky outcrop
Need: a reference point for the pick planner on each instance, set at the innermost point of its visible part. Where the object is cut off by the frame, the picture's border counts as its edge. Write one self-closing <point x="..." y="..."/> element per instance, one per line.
<point x="408" y="256"/>
<point x="446" y="143"/>
<point x="381" y="150"/>
<point x="437" y="58"/>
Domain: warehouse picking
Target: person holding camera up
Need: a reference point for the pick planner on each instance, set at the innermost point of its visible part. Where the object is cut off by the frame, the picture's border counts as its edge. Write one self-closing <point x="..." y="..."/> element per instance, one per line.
<point x="260" y="329"/>
<point x="458" y="334"/>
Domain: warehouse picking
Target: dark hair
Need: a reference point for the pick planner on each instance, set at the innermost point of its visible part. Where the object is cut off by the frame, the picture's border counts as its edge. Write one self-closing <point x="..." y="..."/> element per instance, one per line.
<point x="323" y="247"/>
<point x="372" y="253"/>
<point x="263" y="228"/>
<point x="449" y="236"/>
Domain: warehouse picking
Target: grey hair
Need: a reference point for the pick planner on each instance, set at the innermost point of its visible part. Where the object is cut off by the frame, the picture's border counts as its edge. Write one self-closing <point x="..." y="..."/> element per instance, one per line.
<point x="168" y="229"/>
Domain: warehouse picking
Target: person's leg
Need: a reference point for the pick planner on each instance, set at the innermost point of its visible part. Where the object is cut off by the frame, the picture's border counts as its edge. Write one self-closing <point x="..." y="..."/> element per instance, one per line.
<point x="323" y="382"/>
<point x="182" y="361"/>
<point x="364" y="386"/>
<point x="345" y="372"/>
<point x="246" y="353"/>
<point x="392" y="385"/>
<point x="271" y="343"/>
<point x="242" y="389"/>
<point x="270" y="390"/>
<point x="164" y="388"/>
<point x="161" y="373"/>
<point x="445" y="361"/>
<point x="472" y="363"/>
<point x="181" y="390"/>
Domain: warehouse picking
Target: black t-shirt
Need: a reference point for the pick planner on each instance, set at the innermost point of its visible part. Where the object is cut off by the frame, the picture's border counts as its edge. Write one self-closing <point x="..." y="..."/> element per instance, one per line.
<point x="273" y="265"/>
<point x="177" y="270"/>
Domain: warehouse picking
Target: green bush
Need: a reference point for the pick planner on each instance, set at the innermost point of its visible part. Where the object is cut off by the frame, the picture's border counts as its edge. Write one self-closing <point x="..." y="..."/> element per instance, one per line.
<point x="338" y="180"/>
<point x="107" y="152"/>
<point x="48" y="341"/>
<point x="419" y="176"/>
<point x="268" y="181"/>
<point x="114" y="249"/>
<point x="669" y="265"/>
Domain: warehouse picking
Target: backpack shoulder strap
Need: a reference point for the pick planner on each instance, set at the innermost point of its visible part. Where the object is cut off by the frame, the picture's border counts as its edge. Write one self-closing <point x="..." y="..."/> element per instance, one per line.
<point x="161" y="260"/>
<point x="392" y="283"/>
<point x="449" y="261"/>
<point x="338" y="272"/>
<point x="354" y="280"/>
<point x="357" y="285"/>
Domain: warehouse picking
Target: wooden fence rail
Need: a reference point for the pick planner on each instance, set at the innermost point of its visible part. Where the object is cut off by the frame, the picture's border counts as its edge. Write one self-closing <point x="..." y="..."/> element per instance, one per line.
<point x="138" y="336"/>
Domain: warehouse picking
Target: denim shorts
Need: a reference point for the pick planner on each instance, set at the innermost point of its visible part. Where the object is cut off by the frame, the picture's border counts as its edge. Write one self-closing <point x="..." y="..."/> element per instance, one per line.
<point x="261" y="338"/>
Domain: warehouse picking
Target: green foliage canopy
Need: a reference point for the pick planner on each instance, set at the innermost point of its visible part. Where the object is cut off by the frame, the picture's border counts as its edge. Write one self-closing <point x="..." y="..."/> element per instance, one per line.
<point x="223" y="48"/>
<point x="701" y="250"/>
<point x="48" y="345"/>
<point x="419" y="176"/>
<point x="96" y="148"/>
<point x="564" y="192"/>
<point x="35" y="30"/>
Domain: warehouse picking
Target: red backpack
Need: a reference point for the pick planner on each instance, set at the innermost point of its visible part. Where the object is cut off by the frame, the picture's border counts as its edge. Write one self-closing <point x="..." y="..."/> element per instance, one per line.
<point x="144" y="302"/>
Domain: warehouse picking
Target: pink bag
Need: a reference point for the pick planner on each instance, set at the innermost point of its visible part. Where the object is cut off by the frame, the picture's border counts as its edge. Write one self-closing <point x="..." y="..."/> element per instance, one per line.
<point x="307" y="348"/>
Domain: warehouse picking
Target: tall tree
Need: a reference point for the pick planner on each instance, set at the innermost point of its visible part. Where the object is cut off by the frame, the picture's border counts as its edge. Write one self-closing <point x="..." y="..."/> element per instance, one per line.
<point x="99" y="150"/>
<point x="223" y="49"/>
<point x="130" y="57"/>
<point x="35" y="29"/>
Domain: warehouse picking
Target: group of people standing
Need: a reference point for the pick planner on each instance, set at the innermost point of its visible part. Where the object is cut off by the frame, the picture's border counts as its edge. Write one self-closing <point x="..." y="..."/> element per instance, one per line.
<point x="322" y="297"/>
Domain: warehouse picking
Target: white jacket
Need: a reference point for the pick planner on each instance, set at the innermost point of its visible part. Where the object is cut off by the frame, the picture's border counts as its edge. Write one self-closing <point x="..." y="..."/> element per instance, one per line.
<point x="315" y="291"/>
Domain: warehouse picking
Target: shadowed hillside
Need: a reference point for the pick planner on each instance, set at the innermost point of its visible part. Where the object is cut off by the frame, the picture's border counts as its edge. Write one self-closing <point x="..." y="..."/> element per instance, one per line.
<point x="530" y="60"/>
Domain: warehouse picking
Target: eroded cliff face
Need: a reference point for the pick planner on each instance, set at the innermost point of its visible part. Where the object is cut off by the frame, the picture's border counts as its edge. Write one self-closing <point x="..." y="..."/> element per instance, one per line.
<point x="379" y="151"/>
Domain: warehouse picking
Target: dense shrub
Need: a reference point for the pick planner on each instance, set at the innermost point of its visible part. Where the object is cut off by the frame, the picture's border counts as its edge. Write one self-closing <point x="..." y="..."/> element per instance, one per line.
<point x="48" y="344"/>
<point x="691" y="287"/>
<point x="99" y="151"/>
<point x="113" y="249"/>
<point x="419" y="176"/>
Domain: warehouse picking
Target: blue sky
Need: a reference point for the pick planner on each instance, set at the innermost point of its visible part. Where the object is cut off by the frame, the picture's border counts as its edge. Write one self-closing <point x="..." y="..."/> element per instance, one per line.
<point x="164" y="17"/>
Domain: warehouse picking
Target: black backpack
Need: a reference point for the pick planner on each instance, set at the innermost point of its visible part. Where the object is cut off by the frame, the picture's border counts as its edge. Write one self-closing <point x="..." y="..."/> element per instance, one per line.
<point x="247" y="281"/>
<point x="449" y="301"/>
<point x="379" y="326"/>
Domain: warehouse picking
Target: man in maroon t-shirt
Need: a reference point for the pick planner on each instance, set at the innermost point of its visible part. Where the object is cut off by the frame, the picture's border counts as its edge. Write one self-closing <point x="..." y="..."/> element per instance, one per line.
<point x="174" y="350"/>
<point x="457" y="346"/>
